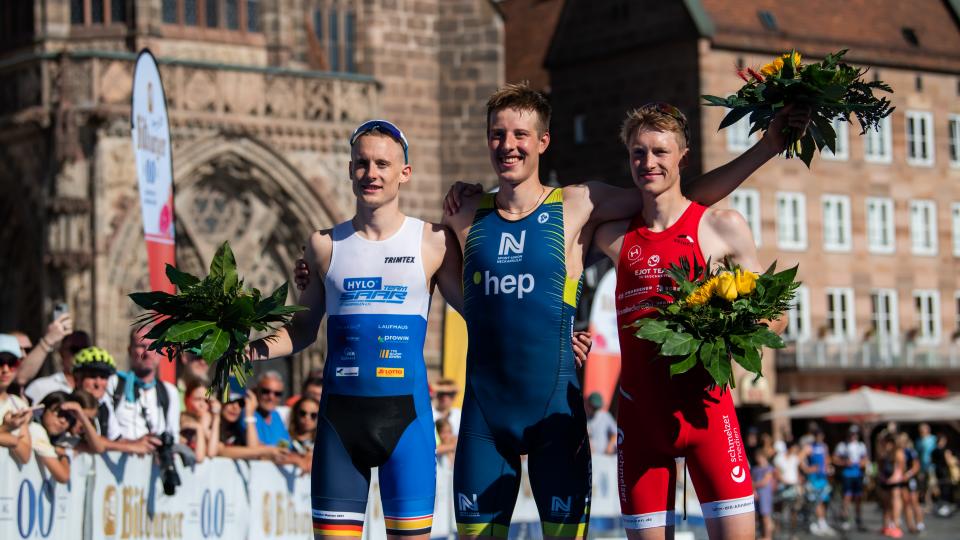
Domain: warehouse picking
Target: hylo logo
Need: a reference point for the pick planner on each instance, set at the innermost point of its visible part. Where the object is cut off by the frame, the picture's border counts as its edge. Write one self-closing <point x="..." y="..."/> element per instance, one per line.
<point x="362" y="284"/>
<point x="509" y="244"/>
<point x="508" y="284"/>
<point x="466" y="503"/>
<point x="653" y="260"/>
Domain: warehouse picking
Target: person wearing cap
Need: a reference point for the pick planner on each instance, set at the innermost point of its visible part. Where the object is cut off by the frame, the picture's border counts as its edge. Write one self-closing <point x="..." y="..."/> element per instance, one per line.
<point x="852" y="458"/>
<point x="15" y="414"/>
<point x="601" y="426"/>
<point x="62" y="380"/>
<point x="375" y="275"/>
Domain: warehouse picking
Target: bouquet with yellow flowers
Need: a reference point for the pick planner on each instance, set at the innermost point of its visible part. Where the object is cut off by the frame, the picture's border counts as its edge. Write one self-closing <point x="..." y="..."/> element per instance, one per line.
<point x="714" y="318"/>
<point x="831" y="88"/>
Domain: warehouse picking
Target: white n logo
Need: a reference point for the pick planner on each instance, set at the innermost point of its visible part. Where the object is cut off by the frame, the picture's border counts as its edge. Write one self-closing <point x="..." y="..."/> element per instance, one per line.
<point x="509" y="243"/>
<point x="465" y="503"/>
<point x="560" y="505"/>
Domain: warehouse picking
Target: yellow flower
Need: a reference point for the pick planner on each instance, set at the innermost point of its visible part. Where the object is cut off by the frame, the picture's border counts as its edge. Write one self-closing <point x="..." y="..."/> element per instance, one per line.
<point x="796" y="58"/>
<point x="772" y="68"/>
<point x="703" y="293"/>
<point x="726" y="286"/>
<point x="746" y="281"/>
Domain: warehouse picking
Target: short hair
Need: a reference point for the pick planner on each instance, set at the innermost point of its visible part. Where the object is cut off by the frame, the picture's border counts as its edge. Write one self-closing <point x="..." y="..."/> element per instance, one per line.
<point x="270" y="374"/>
<point x="520" y="97"/>
<point x="85" y="399"/>
<point x="652" y="116"/>
<point x="76" y="341"/>
<point x="312" y="381"/>
<point x="56" y="398"/>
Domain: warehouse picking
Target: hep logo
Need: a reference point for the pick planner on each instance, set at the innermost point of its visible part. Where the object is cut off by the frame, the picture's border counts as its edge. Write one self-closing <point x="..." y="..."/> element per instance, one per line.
<point x="738" y="474"/>
<point x="634" y="253"/>
<point x="509" y="284"/>
<point x="653" y="260"/>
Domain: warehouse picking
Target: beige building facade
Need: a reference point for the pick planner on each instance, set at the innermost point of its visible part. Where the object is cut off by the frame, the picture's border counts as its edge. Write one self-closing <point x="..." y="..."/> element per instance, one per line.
<point x="263" y="96"/>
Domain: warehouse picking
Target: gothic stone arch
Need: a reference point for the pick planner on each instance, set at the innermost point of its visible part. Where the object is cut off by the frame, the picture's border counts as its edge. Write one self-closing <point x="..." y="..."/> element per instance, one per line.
<point x="226" y="188"/>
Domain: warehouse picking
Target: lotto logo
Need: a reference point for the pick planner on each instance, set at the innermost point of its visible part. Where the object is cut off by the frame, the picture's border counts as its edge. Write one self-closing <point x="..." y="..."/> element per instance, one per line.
<point x="509" y="284"/>
<point x="390" y="372"/>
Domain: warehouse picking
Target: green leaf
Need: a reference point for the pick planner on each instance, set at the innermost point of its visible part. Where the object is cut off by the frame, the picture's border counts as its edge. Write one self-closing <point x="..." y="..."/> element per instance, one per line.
<point x="241" y="310"/>
<point x="147" y="300"/>
<point x="684" y="365"/>
<point x="181" y="279"/>
<point x="215" y="344"/>
<point x="224" y="266"/>
<point x="653" y="330"/>
<point x="763" y="336"/>
<point x="748" y="354"/>
<point x="734" y="116"/>
<point x="713" y="354"/>
<point x="189" y="330"/>
<point x="679" y="344"/>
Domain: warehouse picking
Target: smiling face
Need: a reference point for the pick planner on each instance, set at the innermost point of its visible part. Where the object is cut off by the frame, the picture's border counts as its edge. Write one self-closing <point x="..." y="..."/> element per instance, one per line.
<point x="377" y="169"/>
<point x="93" y="381"/>
<point x="56" y="420"/>
<point x="655" y="160"/>
<point x="515" y="141"/>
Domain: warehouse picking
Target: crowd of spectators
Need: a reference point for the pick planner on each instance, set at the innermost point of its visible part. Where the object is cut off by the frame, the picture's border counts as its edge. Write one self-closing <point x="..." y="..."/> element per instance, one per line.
<point x="822" y="485"/>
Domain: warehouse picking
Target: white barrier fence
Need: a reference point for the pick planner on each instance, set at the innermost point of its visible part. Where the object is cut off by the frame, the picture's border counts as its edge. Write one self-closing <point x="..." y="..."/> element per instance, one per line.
<point x="120" y="497"/>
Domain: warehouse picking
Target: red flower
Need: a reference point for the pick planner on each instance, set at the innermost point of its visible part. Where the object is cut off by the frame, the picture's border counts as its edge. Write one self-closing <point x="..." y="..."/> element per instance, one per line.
<point x="743" y="75"/>
<point x="754" y="74"/>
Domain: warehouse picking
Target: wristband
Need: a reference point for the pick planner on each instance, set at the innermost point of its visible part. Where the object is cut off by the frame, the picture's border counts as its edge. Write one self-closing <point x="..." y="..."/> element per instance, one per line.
<point x="250" y="420"/>
<point x="48" y="347"/>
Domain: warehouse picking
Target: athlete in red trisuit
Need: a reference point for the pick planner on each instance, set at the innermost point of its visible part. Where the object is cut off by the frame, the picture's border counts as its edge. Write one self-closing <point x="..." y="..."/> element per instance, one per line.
<point x="663" y="418"/>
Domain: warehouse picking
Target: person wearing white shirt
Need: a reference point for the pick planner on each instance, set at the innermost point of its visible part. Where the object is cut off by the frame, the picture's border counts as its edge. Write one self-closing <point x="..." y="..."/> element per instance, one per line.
<point x="61" y="381"/>
<point x="14" y="412"/>
<point x="446" y="391"/>
<point x="137" y="395"/>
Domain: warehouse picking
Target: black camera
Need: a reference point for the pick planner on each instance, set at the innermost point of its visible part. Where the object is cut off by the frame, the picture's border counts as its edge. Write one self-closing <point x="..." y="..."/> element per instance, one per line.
<point x="168" y="469"/>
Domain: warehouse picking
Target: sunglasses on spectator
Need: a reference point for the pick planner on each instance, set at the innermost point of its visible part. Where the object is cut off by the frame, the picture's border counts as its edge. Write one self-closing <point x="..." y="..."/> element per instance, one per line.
<point x="268" y="392"/>
<point x="673" y="112"/>
<point x="304" y="414"/>
<point x="66" y="415"/>
<point x="10" y="361"/>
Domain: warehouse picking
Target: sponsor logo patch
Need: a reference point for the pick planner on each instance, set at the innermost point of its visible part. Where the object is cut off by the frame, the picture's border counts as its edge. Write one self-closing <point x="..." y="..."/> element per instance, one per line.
<point x="653" y="260"/>
<point x="348" y="371"/>
<point x="390" y="354"/>
<point x="738" y="474"/>
<point x="390" y="372"/>
<point x="399" y="260"/>
<point x="511" y="248"/>
<point x="363" y="291"/>
<point x="468" y="505"/>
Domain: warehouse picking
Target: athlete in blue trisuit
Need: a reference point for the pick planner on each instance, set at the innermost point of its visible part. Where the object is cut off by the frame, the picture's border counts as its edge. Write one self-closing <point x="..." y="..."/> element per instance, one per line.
<point x="524" y="250"/>
<point x="375" y="275"/>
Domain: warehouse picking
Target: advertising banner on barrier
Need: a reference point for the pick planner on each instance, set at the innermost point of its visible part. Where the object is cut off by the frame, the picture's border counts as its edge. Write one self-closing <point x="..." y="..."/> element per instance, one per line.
<point x="150" y="130"/>
<point x="279" y="503"/>
<point x="35" y="506"/>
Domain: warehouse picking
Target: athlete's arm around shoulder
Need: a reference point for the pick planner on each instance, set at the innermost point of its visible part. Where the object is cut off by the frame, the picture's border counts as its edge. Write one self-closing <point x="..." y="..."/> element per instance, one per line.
<point x="302" y="330"/>
<point x="459" y="222"/>
<point x="726" y="233"/>
<point x="442" y="263"/>
<point x="608" y="238"/>
<point x="596" y="202"/>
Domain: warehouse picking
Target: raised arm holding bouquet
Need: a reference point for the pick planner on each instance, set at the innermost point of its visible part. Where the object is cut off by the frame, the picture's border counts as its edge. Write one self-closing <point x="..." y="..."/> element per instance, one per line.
<point x="831" y="89"/>
<point x="214" y="315"/>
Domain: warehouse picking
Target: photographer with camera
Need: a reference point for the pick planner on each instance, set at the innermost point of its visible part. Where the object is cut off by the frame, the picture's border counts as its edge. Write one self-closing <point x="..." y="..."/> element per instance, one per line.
<point x="148" y="409"/>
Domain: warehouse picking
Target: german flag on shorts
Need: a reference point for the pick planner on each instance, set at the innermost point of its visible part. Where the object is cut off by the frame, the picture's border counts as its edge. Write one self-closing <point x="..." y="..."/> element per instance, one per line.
<point x="408" y="526"/>
<point x="329" y="523"/>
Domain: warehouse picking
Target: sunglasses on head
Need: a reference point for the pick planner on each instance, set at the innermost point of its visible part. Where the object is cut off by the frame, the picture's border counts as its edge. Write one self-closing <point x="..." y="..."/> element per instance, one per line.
<point x="385" y="127"/>
<point x="268" y="392"/>
<point x="10" y="361"/>
<point x="304" y="414"/>
<point x="673" y="112"/>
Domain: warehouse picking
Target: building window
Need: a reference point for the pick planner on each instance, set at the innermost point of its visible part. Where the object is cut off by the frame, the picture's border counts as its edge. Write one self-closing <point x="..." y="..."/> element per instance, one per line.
<point x="579" y="129"/>
<point x="840" y="127"/>
<point x="840" y="314"/>
<point x="253" y="15"/>
<point x="791" y="221"/>
<point x="927" y="303"/>
<point x="318" y="24"/>
<point x="883" y="319"/>
<point x="334" y="40"/>
<point x="955" y="225"/>
<point x="747" y="202"/>
<point x="953" y="128"/>
<point x="242" y="16"/>
<point x="170" y="15"/>
<point x="836" y="222"/>
<point x="923" y="227"/>
<point x="335" y="32"/>
<point x="212" y="15"/>
<point x="880" y="237"/>
<point x="798" y="316"/>
<point x="98" y="12"/>
<point x="919" y="138"/>
<point x="739" y="137"/>
<point x="877" y="143"/>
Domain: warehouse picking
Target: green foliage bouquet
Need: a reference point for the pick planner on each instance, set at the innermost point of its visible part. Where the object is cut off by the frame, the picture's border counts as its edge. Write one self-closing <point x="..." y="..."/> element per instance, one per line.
<point x="715" y="318"/>
<point x="214" y="315"/>
<point x="831" y="88"/>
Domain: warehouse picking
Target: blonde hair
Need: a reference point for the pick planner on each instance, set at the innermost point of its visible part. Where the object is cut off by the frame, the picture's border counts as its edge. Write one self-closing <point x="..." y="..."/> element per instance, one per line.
<point x="521" y="97"/>
<point x="651" y="117"/>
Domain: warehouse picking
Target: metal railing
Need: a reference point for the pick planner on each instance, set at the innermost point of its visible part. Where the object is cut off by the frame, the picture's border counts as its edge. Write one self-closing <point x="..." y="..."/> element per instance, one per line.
<point x="870" y="354"/>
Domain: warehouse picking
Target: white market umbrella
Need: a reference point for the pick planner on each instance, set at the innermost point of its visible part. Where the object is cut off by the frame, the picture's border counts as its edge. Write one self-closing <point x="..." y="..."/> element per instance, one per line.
<point x="866" y="404"/>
